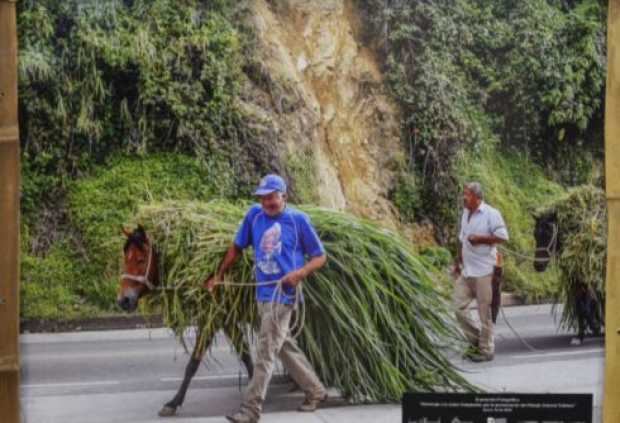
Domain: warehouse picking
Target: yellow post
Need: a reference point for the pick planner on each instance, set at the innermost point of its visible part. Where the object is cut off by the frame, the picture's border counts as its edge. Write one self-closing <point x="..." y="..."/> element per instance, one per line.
<point x="611" y="404"/>
<point x="9" y="217"/>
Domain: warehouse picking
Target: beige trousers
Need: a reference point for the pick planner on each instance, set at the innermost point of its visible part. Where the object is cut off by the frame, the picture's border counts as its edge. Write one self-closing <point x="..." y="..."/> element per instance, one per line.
<point x="274" y="340"/>
<point x="465" y="291"/>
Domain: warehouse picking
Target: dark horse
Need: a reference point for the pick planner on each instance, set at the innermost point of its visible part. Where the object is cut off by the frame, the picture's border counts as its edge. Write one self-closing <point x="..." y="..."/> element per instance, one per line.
<point x="141" y="276"/>
<point x="587" y="303"/>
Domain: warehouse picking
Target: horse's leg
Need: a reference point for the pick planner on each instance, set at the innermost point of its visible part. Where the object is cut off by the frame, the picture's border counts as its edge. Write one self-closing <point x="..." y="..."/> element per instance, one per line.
<point x="600" y="314"/>
<point x="581" y="319"/>
<point x="240" y="342"/>
<point x="246" y="358"/>
<point x="594" y="315"/>
<point x="578" y="338"/>
<point x="582" y="329"/>
<point x="170" y="408"/>
<point x="581" y="314"/>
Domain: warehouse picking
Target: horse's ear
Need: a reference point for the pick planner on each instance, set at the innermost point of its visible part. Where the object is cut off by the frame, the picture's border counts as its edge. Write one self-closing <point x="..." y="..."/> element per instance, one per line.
<point x="125" y="231"/>
<point x="140" y="229"/>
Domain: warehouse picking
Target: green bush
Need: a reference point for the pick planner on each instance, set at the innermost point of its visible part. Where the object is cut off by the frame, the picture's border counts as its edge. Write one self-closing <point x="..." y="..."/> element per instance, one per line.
<point x="406" y="197"/>
<point x="303" y="183"/>
<point x="50" y="285"/>
<point x="96" y="79"/>
<point x="486" y="88"/>
<point x="79" y="274"/>
<point x="100" y="204"/>
<point x="470" y="72"/>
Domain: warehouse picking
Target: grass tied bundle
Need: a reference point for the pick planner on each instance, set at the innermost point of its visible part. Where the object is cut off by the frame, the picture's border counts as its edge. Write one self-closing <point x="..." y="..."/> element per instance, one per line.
<point x="378" y="321"/>
<point x="581" y="218"/>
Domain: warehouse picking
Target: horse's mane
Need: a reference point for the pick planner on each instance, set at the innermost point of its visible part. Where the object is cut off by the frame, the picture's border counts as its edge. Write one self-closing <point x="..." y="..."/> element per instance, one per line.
<point x="137" y="238"/>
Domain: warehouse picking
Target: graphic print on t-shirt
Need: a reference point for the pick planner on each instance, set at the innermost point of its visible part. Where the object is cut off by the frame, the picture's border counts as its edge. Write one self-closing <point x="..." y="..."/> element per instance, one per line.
<point x="270" y="247"/>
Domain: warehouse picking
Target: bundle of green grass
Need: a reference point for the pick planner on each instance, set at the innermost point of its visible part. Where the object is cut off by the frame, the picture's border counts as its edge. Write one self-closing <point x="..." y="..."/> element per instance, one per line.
<point x="377" y="321"/>
<point x="581" y="218"/>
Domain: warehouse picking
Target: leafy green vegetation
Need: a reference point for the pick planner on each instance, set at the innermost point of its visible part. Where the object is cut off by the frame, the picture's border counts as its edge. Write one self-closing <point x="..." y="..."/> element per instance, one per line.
<point x="106" y="89"/>
<point x="143" y="76"/>
<point x="129" y="101"/>
<point x="466" y="73"/>
<point x="303" y="173"/>
<point x="487" y="89"/>
<point x="82" y="267"/>
<point x="49" y="285"/>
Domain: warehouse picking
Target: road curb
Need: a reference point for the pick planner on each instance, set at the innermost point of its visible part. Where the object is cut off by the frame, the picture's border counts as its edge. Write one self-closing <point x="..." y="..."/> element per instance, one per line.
<point x="111" y="322"/>
<point x="510" y="299"/>
<point x="123" y="321"/>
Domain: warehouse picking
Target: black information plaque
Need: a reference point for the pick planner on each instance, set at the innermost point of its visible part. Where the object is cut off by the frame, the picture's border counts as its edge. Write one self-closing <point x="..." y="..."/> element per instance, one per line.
<point x="497" y="408"/>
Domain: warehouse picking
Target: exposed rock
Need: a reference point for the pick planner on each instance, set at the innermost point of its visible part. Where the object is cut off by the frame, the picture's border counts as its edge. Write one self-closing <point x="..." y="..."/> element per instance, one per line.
<point x="316" y="88"/>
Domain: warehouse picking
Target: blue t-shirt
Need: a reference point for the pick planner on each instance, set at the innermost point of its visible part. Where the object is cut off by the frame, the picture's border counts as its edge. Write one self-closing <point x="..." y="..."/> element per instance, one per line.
<point x="280" y="246"/>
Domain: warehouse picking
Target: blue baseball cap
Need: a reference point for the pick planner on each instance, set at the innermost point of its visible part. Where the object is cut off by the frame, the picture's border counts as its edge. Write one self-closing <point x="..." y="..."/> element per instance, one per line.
<point x="269" y="184"/>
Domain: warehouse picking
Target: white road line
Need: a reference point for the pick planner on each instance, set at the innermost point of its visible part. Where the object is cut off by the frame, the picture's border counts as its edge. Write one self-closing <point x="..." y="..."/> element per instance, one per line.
<point x="163" y="352"/>
<point x="559" y="353"/>
<point x="69" y="384"/>
<point x="212" y="377"/>
<point x="113" y="335"/>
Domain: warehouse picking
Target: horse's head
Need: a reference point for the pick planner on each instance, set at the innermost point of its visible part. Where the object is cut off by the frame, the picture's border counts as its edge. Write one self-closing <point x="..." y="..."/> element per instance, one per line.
<point x="140" y="273"/>
<point x="546" y="235"/>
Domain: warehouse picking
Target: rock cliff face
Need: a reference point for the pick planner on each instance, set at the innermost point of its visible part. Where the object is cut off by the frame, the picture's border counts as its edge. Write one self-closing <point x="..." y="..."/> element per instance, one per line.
<point x="316" y="94"/>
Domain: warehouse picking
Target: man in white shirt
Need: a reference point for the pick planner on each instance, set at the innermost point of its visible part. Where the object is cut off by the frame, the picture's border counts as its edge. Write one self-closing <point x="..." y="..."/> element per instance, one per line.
<point x="482" y="227"/>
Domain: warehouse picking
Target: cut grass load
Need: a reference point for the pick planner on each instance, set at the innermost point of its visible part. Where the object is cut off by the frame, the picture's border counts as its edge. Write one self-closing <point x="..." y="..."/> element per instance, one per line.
<point x="581" y="218"/>
<point x="378" y="319"/>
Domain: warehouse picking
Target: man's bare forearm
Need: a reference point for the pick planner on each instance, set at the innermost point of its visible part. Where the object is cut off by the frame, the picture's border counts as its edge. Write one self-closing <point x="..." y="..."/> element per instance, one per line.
<point x="314" y="264"/>
<point x="490" y="239"/>
<point x="231" y="257"/>
<point x="295" y="277"/>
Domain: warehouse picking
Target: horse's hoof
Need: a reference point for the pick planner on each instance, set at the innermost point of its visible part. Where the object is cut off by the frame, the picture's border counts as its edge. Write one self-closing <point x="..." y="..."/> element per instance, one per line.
<point x="167" y="411"/>
<point x="576" y="342"/>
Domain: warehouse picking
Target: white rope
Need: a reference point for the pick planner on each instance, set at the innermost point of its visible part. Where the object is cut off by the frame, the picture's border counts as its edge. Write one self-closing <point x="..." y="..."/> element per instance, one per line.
<point x="514" y="331"/>
<point x="299" y="306"/>
<point x="522" y="256"/>
<point x="547" y="249"/>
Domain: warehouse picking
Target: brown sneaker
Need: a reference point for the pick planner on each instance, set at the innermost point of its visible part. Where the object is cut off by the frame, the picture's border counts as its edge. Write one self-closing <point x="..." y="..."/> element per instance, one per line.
<point x="310" y="404"/>
<point x="241" y="417"/>
<point x="470" y="352"/>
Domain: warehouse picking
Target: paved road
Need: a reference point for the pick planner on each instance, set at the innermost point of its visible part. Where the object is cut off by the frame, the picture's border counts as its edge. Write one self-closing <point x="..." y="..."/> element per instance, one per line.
<point x="125" y="376"/>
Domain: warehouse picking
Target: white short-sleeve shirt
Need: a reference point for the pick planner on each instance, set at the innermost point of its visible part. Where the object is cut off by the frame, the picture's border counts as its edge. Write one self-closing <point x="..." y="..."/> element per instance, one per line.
<point x="479" y="260"/>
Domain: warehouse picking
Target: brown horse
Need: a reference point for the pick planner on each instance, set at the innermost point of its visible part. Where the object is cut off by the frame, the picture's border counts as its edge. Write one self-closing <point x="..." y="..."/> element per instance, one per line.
<point x="141" y="275"/>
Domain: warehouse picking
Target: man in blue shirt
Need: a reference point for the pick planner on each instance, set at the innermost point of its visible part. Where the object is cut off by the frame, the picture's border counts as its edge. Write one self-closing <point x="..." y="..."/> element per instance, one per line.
<point x="281" y="237"/>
